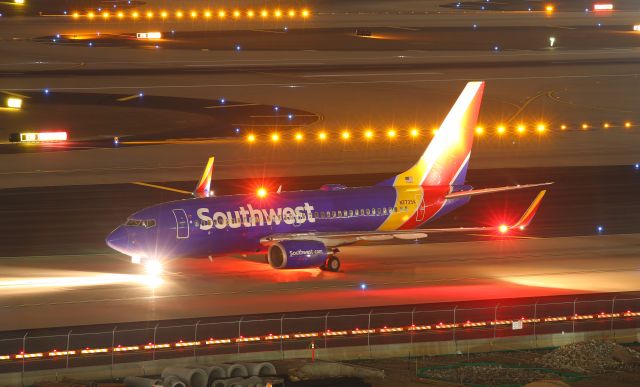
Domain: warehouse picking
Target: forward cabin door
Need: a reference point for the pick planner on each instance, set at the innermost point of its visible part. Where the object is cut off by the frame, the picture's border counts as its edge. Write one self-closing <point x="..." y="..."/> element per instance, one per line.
<point x="182" y="224"/>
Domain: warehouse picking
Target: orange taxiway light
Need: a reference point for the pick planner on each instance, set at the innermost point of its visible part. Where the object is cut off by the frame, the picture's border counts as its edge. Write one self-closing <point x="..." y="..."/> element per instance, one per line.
<point x="275" y="137"/>
<point x="345" y="135"/>
<point x="251" y="138"/>
<point x="322" y="136"/>
<point x="414" y="132"/>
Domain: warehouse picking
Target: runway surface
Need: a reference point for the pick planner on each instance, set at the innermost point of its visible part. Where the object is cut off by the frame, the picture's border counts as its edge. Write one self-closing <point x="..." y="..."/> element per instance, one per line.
<point x="55" y="258"/>
<point x="57" y="207"/>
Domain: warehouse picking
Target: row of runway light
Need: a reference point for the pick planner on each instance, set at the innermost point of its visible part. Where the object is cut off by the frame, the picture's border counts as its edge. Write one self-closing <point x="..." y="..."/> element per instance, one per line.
<point x="357" y="332"/>
<point x="220" y="14"/>
<point x="414" y="133"/>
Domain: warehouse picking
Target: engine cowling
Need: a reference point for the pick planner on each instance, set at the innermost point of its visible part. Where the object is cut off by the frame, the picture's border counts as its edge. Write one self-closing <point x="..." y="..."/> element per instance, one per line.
<point x="297" y="254"/>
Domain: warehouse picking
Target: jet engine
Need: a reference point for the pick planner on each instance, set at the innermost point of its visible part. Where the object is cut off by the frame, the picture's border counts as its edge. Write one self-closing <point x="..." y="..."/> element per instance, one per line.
<point x="297" y="254"/>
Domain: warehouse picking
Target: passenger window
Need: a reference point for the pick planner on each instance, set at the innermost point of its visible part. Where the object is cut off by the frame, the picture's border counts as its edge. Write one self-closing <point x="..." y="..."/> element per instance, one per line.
<point x="339" y="214"/>
<point x="315" y="214"/>
<point x="367" y="211"/>
<point x="350" y="212"/>
<point x="333" y="214"/>
<point x="384" y="211"/>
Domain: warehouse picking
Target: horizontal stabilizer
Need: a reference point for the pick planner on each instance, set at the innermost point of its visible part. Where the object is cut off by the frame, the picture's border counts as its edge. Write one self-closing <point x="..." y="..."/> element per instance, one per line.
<point x="483" y="191"/>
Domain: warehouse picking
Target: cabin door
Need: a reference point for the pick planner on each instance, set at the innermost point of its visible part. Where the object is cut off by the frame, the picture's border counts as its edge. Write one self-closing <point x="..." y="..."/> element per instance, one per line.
<point x="182" y="224"/>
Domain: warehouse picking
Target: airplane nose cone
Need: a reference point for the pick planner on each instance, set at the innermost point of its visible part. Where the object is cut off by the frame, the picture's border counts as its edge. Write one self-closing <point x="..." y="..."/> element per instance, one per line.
<point x="118" y="240"/>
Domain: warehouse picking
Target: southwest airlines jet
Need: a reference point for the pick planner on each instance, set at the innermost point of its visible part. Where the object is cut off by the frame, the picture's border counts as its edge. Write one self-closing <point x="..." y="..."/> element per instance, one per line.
<point x="303" y="229"/>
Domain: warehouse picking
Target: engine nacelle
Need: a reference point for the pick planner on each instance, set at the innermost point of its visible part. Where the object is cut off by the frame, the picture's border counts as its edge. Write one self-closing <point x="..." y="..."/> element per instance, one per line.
<point x="297" y="254"/>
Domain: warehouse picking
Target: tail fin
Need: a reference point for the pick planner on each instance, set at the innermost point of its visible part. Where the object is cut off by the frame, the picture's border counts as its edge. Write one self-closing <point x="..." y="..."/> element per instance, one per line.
<point x="203" y="188"/>
<point x="446" y="159"/>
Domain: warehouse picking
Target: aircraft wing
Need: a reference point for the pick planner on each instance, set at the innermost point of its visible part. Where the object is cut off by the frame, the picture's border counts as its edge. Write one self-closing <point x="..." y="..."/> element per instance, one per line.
<point x="521" y="224"/>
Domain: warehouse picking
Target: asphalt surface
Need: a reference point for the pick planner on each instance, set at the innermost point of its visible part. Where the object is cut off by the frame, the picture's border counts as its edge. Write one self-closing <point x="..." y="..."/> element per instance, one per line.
<point x="92" y="120"/>
<point x="370" y="39"/>
<point x="56" y="234"/>
<point x="56" y="270"/>
<point x="76" y="219"/>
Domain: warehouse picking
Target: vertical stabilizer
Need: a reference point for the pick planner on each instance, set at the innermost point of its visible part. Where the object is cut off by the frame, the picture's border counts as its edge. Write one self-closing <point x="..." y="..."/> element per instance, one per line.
<point x="203" y="188"/>
<point x="446" y="159"/>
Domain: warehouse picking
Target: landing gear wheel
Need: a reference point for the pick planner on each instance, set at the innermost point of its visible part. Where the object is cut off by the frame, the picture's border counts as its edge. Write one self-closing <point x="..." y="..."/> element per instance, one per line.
<point x="331" y="264"/>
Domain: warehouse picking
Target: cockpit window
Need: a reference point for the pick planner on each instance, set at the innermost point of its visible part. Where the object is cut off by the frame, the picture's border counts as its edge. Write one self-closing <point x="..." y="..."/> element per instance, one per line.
<point x="147" y="223"/>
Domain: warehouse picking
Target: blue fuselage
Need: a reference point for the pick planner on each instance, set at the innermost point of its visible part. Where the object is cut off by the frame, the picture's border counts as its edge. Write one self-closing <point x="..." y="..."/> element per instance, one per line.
<point x="237" y="224"/>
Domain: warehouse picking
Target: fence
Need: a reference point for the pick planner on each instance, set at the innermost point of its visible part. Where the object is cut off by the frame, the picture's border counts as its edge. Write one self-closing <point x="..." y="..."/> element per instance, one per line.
<point x="84" y="346"/>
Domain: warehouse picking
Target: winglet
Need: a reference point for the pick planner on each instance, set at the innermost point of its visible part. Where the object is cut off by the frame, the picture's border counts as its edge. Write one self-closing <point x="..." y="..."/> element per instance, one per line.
<point x="528" y="215"/>
<point x="203" y="188"/>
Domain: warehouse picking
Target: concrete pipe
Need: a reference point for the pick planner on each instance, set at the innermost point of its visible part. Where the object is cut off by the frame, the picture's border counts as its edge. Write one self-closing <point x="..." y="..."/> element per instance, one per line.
<point x="173" y="381"/>
<point x="226" y="382"/>
<point x="191" y="377"/>
<point x="253" y="381"/>
<point x="136" y="381"/>
<point x="235" y="370"/>
<point x="214" y="372"/>
<point x="260" y="369"/>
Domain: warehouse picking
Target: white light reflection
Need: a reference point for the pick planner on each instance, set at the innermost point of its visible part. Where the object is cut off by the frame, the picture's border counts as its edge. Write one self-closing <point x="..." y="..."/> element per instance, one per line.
<point x="41" y="284"/>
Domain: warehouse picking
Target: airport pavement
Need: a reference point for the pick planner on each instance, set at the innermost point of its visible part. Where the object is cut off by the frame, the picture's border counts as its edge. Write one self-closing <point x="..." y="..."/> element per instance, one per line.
<point x="68" y="272"/>
<point x="56" y="291"/>
<point x="76" y="219"/>
<point x="55" y="257"/>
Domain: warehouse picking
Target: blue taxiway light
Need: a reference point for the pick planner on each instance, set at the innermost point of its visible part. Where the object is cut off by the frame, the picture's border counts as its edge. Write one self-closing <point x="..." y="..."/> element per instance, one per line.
<point x="290" y="116"/>
<point x="90" y="44"/>
<point x="600" y="228"/>
<point x="141" y="94"/>
<point x="276" y="108"/>
<point x="46" y="91"/>
<point x="636" y="165"/>
<point x="363" y="286"/>
<point x="238" y="47"/>
<point x="222" y="101"/>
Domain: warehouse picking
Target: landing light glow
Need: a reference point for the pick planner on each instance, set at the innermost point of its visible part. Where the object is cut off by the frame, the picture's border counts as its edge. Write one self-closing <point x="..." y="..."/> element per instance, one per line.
<point x="153" y="268"/>
<point x="261" y="192"/>
<point x="503" y="228"/>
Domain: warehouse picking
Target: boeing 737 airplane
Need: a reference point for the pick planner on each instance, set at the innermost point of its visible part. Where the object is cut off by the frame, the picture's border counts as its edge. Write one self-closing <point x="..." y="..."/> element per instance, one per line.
<point x="303" y="229"/>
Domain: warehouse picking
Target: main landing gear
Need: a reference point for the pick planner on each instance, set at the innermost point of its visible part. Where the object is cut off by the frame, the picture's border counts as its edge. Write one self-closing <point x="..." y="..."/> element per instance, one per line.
<point x="332" y="263"/>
